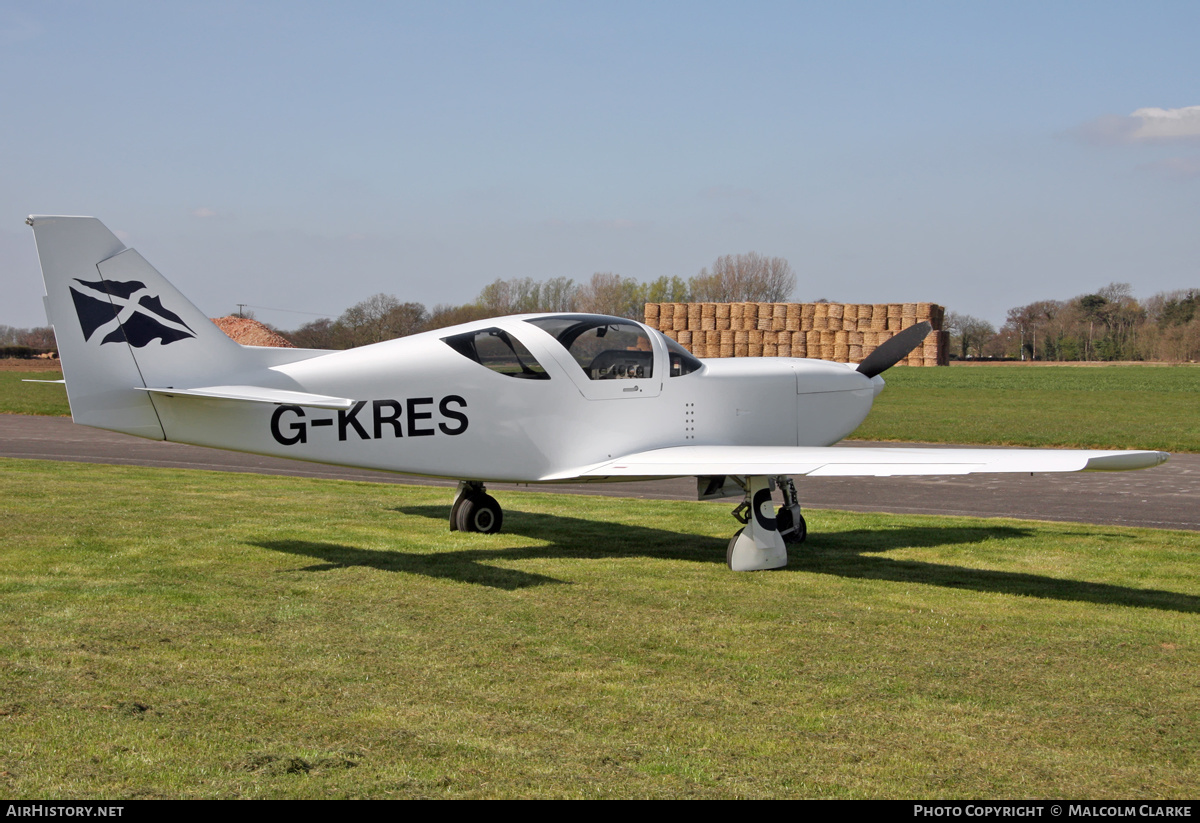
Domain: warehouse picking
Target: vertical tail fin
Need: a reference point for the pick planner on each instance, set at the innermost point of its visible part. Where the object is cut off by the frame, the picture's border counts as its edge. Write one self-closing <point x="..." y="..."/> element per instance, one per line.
<point x="120" y="325"/>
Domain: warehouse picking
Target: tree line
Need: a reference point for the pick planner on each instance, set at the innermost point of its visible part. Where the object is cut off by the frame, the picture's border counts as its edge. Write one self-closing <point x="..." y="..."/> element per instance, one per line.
<point x="1105" y="325"/>
<point x="1108" y="324"/>
<point x="749" y="277"/>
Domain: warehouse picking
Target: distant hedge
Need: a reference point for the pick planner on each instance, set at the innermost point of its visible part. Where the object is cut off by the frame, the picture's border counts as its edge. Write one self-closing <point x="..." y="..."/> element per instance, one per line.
<point x="23" y="352"/>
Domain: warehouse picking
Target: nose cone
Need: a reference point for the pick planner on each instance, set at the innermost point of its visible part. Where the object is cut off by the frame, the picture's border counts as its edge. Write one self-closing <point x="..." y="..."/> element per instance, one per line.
<point x="877" y="384"/>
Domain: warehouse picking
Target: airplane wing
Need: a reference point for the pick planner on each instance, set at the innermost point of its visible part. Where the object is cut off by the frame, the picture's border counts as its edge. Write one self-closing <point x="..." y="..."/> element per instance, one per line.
<point x="843" y="461"/>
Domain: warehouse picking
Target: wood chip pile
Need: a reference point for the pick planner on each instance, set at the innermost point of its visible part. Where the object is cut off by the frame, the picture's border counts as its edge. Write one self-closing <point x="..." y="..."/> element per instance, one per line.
<point x="844" y="332"/>
<point x="251" y="333"/>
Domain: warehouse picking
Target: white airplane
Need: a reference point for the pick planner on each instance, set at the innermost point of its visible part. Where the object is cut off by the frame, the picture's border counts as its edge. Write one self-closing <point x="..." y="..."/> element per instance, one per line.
<point x="535" y="398"/>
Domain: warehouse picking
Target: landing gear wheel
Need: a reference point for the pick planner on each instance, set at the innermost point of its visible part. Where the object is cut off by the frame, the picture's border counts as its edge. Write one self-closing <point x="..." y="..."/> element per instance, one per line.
<point x="478" y="513"/>
<point x="732" y="543"/>
<point x="792" y="533"/>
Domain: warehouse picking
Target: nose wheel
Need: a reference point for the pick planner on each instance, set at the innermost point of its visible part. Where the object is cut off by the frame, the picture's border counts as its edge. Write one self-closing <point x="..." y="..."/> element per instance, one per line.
<point x="761" y="543"/>
<point x="758" y="545"/>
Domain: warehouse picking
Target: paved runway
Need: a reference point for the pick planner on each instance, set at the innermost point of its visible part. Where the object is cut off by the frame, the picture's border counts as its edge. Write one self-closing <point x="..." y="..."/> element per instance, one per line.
<point x="1166" y="497"/>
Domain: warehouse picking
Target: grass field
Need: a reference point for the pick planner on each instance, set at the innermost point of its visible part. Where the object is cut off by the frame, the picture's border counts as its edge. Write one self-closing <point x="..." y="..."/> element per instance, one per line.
<point x="19" y="397"/>
<point x="192" y="634"/>
<point x="1114" y="407"/>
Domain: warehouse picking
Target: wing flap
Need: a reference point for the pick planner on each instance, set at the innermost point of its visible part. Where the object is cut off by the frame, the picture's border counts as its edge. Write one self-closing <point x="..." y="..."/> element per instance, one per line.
<point x="257" y="394"/>
<point x="843" y="461"/>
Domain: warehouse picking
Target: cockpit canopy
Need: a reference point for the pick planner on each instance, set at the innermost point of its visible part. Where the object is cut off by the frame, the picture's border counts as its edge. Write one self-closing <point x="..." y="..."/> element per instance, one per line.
<point x="499" y="351"/>
<point x="612" y="348"/>
<point x="606" y="348"/>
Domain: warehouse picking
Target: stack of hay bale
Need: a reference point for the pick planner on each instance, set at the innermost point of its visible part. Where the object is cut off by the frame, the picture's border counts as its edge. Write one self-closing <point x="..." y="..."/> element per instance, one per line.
<point x="844" y="332"/>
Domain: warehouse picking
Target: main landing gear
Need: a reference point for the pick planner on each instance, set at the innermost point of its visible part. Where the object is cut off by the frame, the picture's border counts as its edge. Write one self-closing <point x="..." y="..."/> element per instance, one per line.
<point x="475" y="510"/>
<point x="761" y="544"/>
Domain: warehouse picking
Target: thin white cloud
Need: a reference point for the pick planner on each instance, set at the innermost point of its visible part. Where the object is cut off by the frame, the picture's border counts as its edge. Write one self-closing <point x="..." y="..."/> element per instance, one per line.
<point x="1167" y="124"/>
<point x="1146" y="125"/>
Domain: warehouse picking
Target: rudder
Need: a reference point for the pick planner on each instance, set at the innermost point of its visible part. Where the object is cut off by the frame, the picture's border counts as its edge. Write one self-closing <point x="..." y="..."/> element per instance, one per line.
<point x="120" y="326"/>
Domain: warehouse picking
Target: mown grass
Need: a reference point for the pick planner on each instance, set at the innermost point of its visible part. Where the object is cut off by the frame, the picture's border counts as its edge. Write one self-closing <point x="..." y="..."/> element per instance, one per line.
<point x="1114" y="407"/>
<point x="19" y="397"/>
<point x="193" y="634"/>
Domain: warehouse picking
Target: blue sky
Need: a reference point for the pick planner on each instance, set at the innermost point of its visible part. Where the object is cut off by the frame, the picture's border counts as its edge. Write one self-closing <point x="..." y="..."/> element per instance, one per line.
<point x="305" y="156"/>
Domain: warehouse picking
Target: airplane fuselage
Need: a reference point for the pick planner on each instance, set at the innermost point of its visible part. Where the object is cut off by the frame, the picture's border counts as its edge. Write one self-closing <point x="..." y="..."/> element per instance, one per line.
<point x="431" y="411"/>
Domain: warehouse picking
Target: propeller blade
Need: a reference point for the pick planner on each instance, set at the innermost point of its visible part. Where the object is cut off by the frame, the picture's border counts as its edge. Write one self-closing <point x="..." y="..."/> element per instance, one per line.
<point x="894" y="350"/>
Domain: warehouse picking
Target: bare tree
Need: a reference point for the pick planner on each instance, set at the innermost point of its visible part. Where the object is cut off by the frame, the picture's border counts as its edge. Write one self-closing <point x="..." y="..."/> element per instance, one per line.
<point x="744" y="277"/>
<point x="608" y="293"/>
<point x="969" y="334"/>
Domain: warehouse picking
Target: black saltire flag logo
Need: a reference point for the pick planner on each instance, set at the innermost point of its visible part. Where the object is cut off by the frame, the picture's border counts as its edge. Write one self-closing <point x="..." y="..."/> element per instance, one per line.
<point x="125" y="311"/>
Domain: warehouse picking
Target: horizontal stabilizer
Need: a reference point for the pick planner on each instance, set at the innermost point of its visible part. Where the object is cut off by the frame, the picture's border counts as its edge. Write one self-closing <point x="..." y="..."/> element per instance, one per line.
<point x="64" y="382"/>
<point x="842" y="461"/>
<point x="258" y="394"/>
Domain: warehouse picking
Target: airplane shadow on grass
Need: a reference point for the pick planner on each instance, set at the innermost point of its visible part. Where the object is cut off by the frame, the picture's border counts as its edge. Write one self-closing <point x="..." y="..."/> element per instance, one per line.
<point x="851" y="554"/>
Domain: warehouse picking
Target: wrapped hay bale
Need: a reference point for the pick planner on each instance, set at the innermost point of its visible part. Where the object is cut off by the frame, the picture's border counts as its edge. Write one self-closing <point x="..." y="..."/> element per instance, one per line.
<point x="749" y="316"/>
<point x="764" y="314"/>
<point x="725" y="347"/>
<point x="651" y="315"/>
<point x="680" y="320"/>
<point x="693" y="315"/>
<point x="850" y="316"/>
<point x="792" y="317"/>
<point x="708" y="323"/>
<point x="778" y="316"/>
<point x="799" y="344"/>
<point x="666" y="316"/>
<point x="808" y="313"/>
<point x="879" y="316"/>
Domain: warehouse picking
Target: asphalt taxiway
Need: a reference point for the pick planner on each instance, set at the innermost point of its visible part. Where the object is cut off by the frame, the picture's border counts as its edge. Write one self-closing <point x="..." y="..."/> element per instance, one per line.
<point x="1166" y="497"/>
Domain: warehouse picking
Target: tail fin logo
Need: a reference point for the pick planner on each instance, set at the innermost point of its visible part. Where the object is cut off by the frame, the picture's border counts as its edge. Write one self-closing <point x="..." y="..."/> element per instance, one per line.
<point x="125" y="312"/>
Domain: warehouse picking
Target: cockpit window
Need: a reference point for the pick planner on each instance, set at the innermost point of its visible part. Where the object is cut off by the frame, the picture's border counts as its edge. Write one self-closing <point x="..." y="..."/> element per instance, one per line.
<point x="606" y="348"/>
<point x="682" y="361"/>
<point x="499" y="351"/>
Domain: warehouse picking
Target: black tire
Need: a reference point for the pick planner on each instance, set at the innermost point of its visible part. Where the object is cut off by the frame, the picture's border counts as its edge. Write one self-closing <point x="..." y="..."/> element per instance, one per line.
<point x="479" y="513"/>
<point x="783" y="521"/>
<point x="729" y="551"/>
